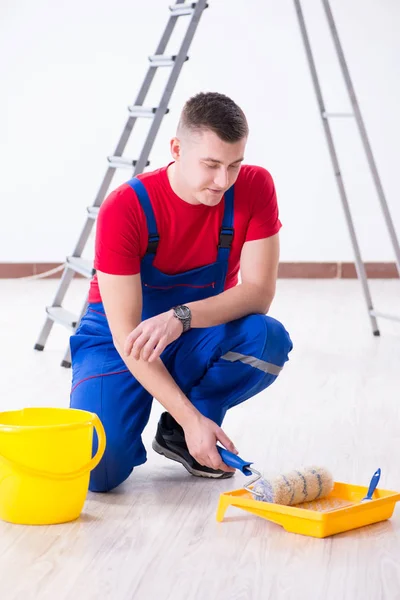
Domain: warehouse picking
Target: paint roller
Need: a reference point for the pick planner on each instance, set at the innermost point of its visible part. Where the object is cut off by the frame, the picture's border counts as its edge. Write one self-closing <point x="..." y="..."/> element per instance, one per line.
<point x="294" y="487"/>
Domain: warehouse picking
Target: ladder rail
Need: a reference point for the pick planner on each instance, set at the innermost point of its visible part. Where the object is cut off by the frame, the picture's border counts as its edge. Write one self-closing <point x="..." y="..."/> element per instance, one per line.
<point x="140" y="98"/>
<point x="363" y="133"/>
<point x="360" y="268"/>
<point x="84" y="236"/>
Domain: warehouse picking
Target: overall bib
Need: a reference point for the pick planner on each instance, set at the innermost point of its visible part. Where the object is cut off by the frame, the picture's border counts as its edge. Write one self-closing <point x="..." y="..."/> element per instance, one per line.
<point x="216" y="367"/>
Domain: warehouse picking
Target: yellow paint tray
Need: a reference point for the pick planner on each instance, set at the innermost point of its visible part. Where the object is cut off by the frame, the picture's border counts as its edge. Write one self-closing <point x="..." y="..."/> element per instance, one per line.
<point x="342" y="510"/>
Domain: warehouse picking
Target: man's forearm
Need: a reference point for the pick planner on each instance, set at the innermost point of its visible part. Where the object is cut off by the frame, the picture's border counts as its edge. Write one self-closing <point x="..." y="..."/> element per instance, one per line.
<point x="156" y="379"/>
<point x="239" y="301"/>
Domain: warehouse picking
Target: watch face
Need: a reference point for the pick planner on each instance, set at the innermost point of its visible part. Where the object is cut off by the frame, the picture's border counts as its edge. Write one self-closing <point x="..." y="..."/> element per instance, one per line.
<point x="182" y="312"/>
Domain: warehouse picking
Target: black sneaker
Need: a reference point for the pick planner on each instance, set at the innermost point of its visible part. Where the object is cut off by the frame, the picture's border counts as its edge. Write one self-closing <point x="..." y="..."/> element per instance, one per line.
<point x="170" y="442"/>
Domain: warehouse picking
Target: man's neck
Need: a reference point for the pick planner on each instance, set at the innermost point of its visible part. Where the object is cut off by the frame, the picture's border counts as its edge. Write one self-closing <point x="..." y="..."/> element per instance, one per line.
<point x="178" y="189"/>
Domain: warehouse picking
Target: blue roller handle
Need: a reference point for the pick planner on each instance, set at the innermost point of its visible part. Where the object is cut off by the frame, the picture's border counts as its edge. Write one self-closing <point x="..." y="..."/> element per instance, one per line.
<point x="232" y="460"/>
<point x="372" y="486"/>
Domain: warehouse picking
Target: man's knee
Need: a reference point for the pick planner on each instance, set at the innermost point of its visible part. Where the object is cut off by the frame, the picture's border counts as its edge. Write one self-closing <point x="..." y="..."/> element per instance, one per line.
<point x="271" y="341"/>
<point x="278" y="342"/>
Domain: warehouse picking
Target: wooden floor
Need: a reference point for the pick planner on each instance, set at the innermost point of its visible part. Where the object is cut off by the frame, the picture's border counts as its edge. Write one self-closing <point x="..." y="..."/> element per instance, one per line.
<point x="337" y="403"/>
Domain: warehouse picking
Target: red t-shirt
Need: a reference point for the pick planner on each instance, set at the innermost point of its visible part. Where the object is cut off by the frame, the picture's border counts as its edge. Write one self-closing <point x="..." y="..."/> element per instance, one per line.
<point x="188" y="233"/>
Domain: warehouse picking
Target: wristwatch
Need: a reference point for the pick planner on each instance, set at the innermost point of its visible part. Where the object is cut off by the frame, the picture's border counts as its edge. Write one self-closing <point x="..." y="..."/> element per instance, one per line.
<point x="184" y="315"/>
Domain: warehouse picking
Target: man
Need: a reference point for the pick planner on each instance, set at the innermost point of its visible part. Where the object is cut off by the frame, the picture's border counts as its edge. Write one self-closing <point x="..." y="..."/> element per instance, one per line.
<point x="167" y="318"/>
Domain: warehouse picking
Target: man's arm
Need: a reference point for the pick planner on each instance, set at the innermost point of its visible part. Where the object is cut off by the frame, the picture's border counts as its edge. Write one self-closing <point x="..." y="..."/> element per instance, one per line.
<point x="259" y="269"/>
<point x="122" y="301"/>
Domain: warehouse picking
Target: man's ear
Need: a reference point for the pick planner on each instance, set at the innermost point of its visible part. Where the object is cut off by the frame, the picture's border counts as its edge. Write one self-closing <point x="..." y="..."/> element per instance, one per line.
<point x="175" y="146"/>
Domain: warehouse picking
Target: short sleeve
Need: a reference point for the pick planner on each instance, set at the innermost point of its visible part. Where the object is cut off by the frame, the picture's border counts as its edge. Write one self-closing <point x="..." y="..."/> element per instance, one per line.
<point x="264" y="218"/>
<point x="119" y="233"/>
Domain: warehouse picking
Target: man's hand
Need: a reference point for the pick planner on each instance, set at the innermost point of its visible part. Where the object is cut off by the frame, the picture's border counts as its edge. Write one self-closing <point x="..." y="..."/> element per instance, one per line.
<point x="202" y="435"/>
<point x="150" y="338"/>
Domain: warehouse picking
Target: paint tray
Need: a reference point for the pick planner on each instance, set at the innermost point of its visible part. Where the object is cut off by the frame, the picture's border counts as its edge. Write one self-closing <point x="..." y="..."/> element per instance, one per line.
<point x="342" y="510"/>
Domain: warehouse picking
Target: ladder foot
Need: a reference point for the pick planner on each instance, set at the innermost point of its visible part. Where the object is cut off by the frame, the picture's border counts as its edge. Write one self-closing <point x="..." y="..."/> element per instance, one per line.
<point x="39" y="347"/>
<point x="377" y="333"/>
<point x="66" y="364"/>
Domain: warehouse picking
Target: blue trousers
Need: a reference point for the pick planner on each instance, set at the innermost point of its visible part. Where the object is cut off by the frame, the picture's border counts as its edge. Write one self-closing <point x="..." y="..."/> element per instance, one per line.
<point x="217" y="368"/>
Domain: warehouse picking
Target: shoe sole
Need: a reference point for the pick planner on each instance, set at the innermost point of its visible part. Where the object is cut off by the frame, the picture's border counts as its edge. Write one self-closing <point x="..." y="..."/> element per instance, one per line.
<point x="172" y="456"/>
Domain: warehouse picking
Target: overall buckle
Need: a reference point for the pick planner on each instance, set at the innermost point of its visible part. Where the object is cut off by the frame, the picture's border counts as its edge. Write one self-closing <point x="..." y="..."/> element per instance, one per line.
<point x="226" y="237"/>
<point x="152" y="244"/>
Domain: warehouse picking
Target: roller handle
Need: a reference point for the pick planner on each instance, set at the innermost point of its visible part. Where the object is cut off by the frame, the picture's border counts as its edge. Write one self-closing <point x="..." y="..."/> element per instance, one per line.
<point x="372" y="486"/>
<point x="232" y="460"/>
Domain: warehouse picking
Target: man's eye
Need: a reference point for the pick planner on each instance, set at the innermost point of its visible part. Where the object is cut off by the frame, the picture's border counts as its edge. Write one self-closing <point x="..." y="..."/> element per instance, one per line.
<point x="212" y="166"/>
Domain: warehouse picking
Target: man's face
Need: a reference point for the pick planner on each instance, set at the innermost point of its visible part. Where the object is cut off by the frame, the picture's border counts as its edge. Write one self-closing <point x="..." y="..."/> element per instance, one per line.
<point x="205" y="165"/>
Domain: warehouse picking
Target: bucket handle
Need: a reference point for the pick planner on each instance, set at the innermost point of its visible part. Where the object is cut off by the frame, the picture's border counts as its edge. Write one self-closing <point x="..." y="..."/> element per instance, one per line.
<point x="98" y="425"/>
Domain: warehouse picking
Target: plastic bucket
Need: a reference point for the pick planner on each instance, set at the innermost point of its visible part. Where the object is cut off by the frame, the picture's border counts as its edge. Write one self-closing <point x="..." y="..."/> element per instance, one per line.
<point x="45" y="463"/>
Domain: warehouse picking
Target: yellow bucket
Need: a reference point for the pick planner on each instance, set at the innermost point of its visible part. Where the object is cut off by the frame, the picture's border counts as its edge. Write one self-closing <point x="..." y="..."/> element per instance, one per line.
<point x="45" y="463"/>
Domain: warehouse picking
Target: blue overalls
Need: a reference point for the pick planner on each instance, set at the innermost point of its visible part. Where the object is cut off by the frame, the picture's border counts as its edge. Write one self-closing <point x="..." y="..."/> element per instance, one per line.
<point x="216" y="367"/>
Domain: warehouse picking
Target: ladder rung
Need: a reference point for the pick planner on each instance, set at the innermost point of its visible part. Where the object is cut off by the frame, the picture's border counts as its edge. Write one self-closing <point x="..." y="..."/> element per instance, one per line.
<point x="159" y="60"/>
<point x="337" y="115"/>
<point x="376" y="313"/>
<point x="142" y="111"/>
<point x="119" y="162"/>
<point x="93" y="211"/>
<point x="62" y="316"/>
<point x="179" y="10"/>
<point x="81" y="265"/>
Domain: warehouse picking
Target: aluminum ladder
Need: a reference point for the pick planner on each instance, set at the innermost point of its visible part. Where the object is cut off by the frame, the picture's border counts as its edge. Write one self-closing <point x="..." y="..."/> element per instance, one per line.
<point x="74" y="264"/>
<point x="356" y="114"/>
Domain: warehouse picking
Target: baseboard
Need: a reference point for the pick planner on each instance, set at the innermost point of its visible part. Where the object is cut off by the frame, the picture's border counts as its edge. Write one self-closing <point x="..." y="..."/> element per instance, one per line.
<point x="287" y="270"/>
<point x="336" y="270"/>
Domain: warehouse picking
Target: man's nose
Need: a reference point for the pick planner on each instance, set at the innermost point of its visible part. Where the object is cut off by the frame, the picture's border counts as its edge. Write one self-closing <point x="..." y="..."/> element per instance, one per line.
<point x="221" y="179"/>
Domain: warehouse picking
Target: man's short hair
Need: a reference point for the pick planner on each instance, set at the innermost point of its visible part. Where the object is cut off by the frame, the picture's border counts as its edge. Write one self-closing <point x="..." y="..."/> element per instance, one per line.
<point x="217" y="113"/>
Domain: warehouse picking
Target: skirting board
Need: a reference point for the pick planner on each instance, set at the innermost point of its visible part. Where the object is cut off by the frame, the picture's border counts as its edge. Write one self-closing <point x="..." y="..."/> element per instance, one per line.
<point x="287" y="270"/>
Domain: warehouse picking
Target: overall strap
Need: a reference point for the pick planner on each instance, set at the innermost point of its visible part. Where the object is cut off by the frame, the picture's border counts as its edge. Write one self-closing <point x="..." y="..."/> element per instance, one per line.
<point x="144" y="200"/>
<point x="227" y="232"/>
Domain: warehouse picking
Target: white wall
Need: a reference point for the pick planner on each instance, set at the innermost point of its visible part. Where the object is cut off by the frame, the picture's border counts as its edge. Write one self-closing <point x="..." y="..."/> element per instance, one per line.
<point x="69" y="69"/>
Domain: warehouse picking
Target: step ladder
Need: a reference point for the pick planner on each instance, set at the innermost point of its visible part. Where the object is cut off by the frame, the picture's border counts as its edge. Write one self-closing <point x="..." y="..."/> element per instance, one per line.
<point x="356" y="114"/>
<point x="75" y="264"/>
